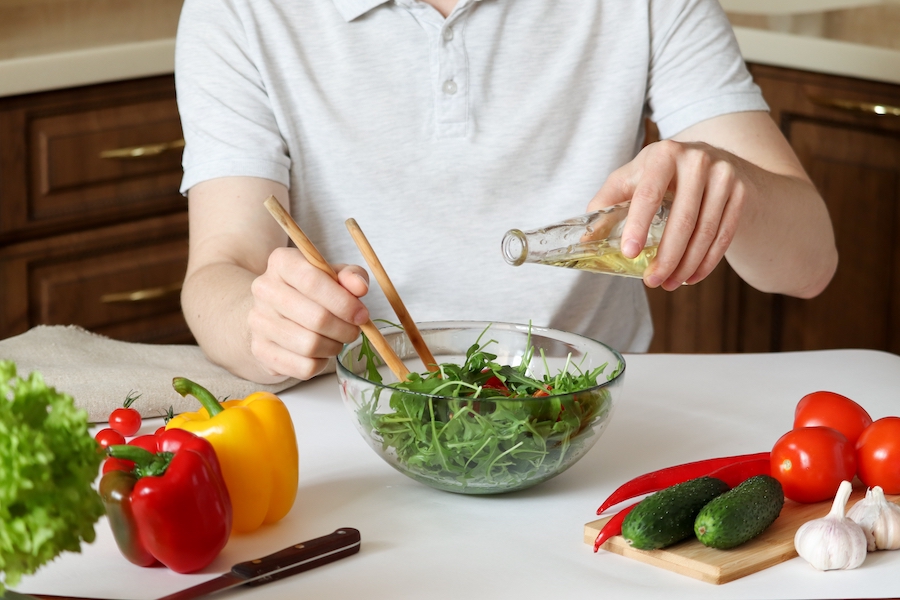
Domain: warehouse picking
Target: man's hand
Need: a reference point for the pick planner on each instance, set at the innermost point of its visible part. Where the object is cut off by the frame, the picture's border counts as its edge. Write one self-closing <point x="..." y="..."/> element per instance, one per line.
<point x="739" y="192"/>
<point x="291" y="330"/>
<point x="254" y="305"/>
<point x="709" y="196"/>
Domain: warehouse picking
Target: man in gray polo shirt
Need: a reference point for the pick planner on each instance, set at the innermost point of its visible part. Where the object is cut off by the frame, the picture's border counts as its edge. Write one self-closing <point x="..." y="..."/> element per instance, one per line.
<point x="440" y="124"/>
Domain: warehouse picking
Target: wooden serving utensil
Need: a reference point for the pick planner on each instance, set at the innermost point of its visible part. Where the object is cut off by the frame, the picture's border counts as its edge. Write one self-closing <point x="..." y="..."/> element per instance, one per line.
<point x="313" y="255"/>
<point x="393" y="297"/>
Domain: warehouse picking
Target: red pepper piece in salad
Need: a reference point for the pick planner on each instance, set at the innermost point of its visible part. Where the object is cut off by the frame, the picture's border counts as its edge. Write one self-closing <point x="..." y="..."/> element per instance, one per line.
<point x="663" y="478"/>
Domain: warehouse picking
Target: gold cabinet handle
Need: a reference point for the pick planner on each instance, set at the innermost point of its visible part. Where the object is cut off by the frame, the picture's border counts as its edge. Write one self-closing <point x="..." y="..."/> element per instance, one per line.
<point x="142" y="151"/>
<point x="141" y="295"/>
<point x="869" y="108"/>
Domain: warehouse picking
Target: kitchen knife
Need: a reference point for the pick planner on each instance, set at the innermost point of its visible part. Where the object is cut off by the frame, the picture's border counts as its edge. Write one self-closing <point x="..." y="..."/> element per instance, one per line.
<point x="293" y="559"/>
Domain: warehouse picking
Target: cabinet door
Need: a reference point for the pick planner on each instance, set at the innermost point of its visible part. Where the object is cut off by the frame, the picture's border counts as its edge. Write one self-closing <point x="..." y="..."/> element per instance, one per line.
<point x="121" y="281"/>
<point x="847" y="135"/>
<point x="88" y="157"/>
<point x="852" y="154"/>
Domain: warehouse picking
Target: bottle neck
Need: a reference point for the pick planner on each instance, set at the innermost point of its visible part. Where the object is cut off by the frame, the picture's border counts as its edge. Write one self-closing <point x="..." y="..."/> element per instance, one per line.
<point x="515" y="247"/>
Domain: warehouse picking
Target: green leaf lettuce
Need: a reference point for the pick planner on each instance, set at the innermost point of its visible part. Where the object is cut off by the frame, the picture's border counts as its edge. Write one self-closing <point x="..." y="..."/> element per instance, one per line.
<point x="48" y="462"/>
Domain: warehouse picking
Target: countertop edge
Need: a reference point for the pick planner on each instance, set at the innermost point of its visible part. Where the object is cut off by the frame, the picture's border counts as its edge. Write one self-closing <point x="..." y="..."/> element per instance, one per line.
<point x="85" y="67"/>
<point x="831" y="57"/>
<point x="157" y="57"/>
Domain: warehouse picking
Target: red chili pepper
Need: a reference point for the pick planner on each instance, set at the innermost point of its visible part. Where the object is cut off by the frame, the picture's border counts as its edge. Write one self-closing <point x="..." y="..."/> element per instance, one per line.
<point x="613" y="526"/>
<point x="737" y="473"/>
<point x="663" y="478"/>
<point x="173" y="507"/>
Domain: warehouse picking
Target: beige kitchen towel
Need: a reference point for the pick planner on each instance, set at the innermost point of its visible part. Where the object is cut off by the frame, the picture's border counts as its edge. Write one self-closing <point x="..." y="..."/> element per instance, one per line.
<point x="99" y="372"/>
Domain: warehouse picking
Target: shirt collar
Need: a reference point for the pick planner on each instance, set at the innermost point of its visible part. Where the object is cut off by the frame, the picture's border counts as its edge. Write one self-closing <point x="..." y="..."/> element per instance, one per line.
<point x="350" y="9"/>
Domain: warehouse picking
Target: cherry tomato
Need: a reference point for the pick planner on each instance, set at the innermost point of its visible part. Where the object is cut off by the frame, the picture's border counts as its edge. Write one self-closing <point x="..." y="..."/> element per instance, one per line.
<point x="811" y="463"/>
<point x="126" y="420"/>
<point x="168" y="416"/>
<point x="117" y="464"/>
<point x="827" y="409"/>
<point x="147" y="442"/>
<point x="878" y="455"/>
<point x="109" y="437"/>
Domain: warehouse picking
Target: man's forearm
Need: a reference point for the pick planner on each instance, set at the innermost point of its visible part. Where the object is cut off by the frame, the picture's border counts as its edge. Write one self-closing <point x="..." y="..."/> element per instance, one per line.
<point x="785" y="242"/>
<point x="216" y="300"/>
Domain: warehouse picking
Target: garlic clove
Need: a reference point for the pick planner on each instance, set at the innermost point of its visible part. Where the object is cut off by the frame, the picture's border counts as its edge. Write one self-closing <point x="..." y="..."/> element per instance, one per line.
<point x="864" y="513"/>
<point x="879" y="519"/>
<point x="834" y="541"/>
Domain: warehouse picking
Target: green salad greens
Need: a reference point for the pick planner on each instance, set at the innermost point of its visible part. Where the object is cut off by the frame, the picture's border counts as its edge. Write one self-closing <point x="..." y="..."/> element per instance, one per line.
<point x="48" y="461"/>
<point x="502" y="428"/>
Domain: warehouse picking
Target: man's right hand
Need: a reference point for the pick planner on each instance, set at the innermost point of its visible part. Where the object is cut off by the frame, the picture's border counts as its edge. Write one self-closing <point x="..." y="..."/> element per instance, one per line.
<point x="301" y="317"/>
<point x="256" y="306"/>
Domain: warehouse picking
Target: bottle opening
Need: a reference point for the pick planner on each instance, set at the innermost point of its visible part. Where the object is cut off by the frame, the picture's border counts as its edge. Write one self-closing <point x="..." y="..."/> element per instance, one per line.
<point x="514" y="247"/>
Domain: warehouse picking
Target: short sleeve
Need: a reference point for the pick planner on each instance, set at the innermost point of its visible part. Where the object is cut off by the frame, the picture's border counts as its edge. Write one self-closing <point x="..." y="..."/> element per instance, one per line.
<point x="696" y="68"/>
<point x="227" y="117"/>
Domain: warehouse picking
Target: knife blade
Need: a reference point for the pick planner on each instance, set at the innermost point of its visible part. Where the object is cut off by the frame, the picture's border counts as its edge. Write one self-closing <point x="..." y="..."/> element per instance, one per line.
<point x="293" y="559"/>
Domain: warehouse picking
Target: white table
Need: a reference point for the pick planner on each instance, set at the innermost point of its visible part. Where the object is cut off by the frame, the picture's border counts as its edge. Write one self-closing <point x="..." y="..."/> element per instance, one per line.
<point x="426" y="544"/>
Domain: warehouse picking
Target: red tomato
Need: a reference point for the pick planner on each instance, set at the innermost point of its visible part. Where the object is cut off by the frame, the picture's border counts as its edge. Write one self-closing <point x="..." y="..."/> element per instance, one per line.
<point x="109" y="437"/>
<point x="126" y="420"/>
<point x="878" y="455"/>
<point x="117" y="464"/>
<point x="147" y="442"/>
<point x="811" y="463"/>
<point x="827" y="409"/>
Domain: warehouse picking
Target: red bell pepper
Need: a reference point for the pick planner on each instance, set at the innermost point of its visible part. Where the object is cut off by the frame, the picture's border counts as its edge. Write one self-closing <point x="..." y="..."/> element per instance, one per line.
<point x="173" y="507"/>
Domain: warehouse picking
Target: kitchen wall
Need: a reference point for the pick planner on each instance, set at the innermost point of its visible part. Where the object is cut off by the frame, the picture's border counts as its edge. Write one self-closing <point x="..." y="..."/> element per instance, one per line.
<point x="870" y="25"/>
<point x="32" y="27"/>
<point x="35" y="27"/>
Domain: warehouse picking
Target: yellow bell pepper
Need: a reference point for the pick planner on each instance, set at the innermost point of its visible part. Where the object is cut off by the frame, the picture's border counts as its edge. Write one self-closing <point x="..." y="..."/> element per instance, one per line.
<point x="256" y="446"/>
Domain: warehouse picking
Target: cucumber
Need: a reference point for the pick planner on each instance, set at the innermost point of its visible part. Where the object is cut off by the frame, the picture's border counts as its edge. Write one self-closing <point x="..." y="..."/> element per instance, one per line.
<point x="741" y="514"/>
<point x="668" y="515"/>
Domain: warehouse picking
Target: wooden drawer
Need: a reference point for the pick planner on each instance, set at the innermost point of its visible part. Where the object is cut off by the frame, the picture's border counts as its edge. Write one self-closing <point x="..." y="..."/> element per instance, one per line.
<point x="120" y="281"/>
<point x="89" y="163"/>
<point x="75" y="159"/>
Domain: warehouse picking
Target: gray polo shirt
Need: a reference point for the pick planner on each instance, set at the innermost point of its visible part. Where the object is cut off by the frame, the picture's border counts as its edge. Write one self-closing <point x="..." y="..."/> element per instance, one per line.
<point x="439" y="135"/>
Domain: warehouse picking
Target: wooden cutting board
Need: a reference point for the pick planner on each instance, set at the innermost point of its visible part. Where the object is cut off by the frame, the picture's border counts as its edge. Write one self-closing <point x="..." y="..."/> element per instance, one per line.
<point x="691" y="558"/>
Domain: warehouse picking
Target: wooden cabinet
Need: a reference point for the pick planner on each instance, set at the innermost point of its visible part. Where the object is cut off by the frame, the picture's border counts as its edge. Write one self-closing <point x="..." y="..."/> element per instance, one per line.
<point x="93" y="230"/>
<point x="846" y="133"/>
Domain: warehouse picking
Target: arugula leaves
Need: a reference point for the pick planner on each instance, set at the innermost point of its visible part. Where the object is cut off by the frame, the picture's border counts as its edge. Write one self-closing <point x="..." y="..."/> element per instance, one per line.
<point x="485" y="438"/>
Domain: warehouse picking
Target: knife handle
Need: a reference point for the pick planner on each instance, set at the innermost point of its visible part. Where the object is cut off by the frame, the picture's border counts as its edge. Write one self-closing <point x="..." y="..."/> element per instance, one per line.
<point x="305" y="556"/>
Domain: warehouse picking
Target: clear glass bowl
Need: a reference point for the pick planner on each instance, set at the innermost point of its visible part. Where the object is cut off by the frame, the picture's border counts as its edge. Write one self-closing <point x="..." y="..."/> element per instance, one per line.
<point x="475" y="445"/>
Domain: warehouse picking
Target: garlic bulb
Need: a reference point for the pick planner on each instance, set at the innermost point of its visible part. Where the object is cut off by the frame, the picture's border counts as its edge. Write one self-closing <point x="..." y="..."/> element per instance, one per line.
<point x="834" y="541"/>
<point x="879" y="519"/>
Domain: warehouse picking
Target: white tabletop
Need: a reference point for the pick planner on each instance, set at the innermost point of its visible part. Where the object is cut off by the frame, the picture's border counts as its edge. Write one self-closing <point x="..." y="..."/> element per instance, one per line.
<point x="422" y="543"/>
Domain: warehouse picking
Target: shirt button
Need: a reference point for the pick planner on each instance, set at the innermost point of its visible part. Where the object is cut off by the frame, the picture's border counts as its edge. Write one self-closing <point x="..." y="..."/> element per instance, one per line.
<point x="449" y="87"/>
<point x="448" y="34"/>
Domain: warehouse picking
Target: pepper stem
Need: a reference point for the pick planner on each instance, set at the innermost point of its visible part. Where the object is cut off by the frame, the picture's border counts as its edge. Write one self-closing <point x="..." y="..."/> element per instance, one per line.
<point x="186" y="386"/>
<point x="146" y="463"/>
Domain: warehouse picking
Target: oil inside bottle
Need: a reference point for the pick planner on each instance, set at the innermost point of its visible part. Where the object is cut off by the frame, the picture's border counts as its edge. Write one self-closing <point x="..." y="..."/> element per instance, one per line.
<point x="600" y="257"/>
